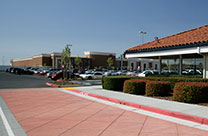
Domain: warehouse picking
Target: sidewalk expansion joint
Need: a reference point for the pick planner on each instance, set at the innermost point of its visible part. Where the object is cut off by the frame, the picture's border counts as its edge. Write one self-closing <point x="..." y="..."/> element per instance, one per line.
<point x="58" y="118"/>
<point x="111" y="123"/>
<point x="171" y="114"/>
<point x="83" y="120"/>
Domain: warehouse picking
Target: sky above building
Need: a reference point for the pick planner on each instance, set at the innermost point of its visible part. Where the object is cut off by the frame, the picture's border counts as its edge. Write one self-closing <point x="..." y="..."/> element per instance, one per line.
<point x="30" y="27"/>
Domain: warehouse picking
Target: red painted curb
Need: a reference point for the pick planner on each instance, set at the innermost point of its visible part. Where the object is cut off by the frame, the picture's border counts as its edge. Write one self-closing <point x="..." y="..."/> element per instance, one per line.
<point x="183" y="116"/>
<point x="53" y="85"/>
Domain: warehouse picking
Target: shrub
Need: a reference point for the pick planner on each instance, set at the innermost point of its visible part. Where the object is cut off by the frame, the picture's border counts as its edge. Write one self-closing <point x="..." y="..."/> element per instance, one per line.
<point x="191" y="92"/>
<point x="174" y="80"/>
<point x="157" y="88"/>
<point x="134" y="86"/>
<point x="114" y="83"/>
<point x="176" y="75"/>
<point x="118" y="81"/>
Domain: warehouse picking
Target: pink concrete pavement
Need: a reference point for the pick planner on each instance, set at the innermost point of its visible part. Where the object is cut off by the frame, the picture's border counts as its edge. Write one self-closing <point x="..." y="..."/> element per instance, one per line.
<point x="49" y="112"/>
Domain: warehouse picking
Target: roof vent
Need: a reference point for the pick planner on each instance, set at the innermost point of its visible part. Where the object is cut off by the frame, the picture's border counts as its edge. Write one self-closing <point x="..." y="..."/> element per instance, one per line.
<point x="156" y="39"/>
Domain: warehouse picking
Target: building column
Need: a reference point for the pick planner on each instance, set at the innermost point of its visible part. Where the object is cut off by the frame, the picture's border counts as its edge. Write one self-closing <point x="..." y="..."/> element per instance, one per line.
<point x="160" y="64"/>
<point x="205" y="68"/>
<point x="53" y="61"/>
<point x="180" y="64"/>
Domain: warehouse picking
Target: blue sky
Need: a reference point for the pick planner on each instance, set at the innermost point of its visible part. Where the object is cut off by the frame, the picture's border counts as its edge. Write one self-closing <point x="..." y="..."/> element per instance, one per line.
<point x="29" y="27"/>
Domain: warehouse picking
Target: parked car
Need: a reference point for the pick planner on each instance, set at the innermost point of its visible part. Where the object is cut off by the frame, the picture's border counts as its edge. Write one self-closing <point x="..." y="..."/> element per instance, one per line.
<point x="122" y="72"/>
<point x="91" y="75"/>
<point x="35" y="70"/>
<point x="168" y="72"/>
<point x="191" y="72"/>
<point x="28" y="71"/>
<point x="131" y="73"/>
<point x="9" y="69"/>
<point x="111" y="73"/>
<point x="17" y="71"/>
<point x="44" y="71"/>
<point x="59" y="75"/>
<point x="52" y="71"/>
<point x="148" y="72"/>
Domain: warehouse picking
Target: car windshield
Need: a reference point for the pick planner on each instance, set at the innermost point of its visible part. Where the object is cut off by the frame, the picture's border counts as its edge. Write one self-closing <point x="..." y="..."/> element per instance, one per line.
<point x="145" y="72"/>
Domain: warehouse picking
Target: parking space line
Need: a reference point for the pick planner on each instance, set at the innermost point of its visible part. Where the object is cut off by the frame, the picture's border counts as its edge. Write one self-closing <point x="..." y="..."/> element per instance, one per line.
<point x="6" y="124"/>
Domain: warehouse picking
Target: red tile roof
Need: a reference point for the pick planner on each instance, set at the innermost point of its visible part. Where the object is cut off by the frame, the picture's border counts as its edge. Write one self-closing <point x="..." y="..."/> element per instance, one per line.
<point x="193" y="36"/>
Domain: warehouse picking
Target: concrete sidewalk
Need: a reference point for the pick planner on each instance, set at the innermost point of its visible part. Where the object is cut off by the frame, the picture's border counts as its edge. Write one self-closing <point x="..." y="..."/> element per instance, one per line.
<point x="184" y="108"/>
<point x="60" y="112"/>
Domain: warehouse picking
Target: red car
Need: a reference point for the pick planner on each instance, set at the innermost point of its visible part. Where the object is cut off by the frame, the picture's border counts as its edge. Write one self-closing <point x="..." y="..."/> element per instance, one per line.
<point x="57" y="75"/>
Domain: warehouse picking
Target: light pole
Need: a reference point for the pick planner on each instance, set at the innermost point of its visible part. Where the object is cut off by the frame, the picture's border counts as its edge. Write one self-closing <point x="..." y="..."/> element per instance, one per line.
<point x="121" y="62"/>
<point x="143" y="33"/>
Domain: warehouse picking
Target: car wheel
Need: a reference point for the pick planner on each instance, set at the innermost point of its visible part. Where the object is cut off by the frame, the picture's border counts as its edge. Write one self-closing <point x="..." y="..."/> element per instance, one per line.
<point x="90" y="77"/>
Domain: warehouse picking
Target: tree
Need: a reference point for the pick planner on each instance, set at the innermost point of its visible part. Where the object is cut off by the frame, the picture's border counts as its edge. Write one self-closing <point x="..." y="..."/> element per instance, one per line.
<point x="77" y="62"/>
<point x="66" y="61"/>
<point x="110" y="61"/>
<point x="44" y="65"/>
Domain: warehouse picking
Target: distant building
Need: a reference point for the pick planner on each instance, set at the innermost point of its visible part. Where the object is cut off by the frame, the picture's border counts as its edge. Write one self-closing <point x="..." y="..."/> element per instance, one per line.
<point x="35" y="60"/>
<point x="99" y="59"/>
<point x="90" y="60"/>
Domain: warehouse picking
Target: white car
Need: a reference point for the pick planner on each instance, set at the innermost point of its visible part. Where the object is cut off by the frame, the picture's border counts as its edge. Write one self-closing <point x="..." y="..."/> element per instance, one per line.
<point x="91" y="75"/>
<point x="111" y="73"/>
<point x="147" y="72"/>
<point x="131" y="73"/>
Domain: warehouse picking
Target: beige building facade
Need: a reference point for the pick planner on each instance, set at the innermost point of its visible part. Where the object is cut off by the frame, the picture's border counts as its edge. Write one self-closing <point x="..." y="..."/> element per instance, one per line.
<point x="99" y="59"/>
<point x="36" y="60"/>
<point x="90" y="60"/>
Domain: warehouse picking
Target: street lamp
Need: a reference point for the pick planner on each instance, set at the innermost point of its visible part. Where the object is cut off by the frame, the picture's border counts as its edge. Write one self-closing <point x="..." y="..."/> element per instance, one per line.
<point x="121" y="61"/>
<point x="143" y="33"/>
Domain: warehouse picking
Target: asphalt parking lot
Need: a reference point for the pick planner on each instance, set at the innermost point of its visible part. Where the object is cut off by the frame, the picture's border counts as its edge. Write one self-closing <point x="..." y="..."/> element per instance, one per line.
<point x="10" y="80"/>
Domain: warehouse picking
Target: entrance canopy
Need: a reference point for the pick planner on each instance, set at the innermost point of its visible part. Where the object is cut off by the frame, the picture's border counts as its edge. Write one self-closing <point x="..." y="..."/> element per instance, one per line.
<point x="188" y="44"/>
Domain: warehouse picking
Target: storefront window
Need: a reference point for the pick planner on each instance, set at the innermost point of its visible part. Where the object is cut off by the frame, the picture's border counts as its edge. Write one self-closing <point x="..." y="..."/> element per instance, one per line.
<point x="170" y="66"/>
<point x="192" y="66"/>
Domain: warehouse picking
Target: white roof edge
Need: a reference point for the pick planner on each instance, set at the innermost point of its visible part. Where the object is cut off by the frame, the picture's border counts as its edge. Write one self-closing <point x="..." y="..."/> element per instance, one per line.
<point x="15" y="60"/>
<point x="41" y="55"/>
<point x="75" y="56"/>
<point x="34" y="56"/>
<point x="98" y="53"/>
<point x="56" y="54"/>
<point x="191" y="50"/>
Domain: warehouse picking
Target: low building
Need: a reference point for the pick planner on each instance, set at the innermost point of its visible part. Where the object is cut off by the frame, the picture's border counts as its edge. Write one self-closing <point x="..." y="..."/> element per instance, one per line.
<point x="182" y="52"/>
<point x="35" y="60"/>
<point x="99" y="59"/>
<point x="90" y="60"/>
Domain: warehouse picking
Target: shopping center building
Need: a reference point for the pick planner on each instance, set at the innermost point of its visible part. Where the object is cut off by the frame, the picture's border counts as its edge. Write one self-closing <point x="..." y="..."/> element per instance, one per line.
<point x="90" y="60"/>
<point x="178" y="53"/>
